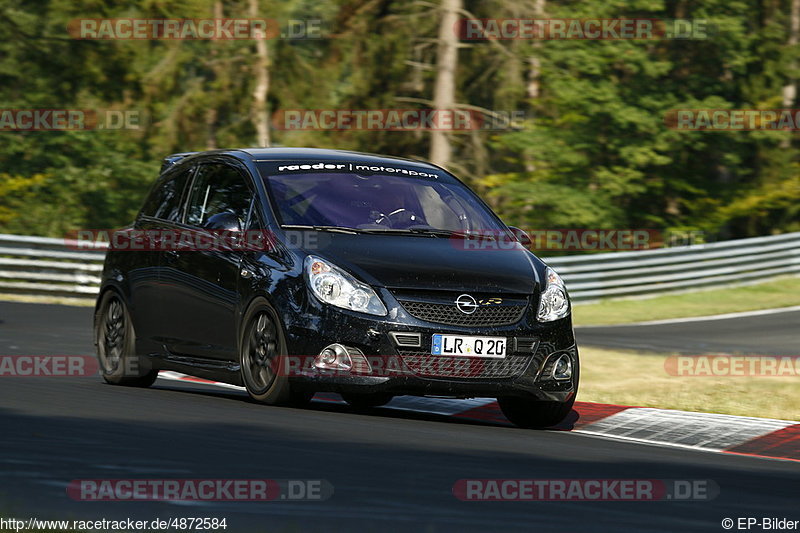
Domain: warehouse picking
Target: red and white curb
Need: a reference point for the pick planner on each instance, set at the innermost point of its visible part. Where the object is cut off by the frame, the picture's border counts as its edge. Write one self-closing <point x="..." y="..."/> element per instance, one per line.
<point x="759" y="437"/>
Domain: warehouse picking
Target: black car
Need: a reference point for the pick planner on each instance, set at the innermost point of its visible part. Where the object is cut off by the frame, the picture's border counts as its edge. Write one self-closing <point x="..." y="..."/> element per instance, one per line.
<point x="373" y="277"/>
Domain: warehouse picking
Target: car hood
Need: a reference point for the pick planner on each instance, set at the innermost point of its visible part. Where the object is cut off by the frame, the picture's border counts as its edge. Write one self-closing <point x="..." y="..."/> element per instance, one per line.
<point x="432" y="263"/>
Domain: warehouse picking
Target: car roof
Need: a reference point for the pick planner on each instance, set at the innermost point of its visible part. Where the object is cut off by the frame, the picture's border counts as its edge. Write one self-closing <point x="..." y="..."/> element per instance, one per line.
<point x="284" y="154"/>
<point x="299" y="154"/>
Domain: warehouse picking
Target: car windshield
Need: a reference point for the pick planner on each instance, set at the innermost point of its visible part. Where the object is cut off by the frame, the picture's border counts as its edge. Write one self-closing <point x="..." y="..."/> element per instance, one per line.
<point x="378" y="203"/>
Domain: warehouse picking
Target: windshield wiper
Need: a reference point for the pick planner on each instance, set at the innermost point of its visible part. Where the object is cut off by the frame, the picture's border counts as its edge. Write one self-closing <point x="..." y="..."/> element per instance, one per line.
<point x="336" y="229"/>
<point x="433" y="232"/>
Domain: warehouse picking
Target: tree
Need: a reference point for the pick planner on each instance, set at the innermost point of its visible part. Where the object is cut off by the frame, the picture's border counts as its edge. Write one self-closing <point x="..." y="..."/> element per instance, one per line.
<point x="444" y="92"/>
<point x="261" y="88"/>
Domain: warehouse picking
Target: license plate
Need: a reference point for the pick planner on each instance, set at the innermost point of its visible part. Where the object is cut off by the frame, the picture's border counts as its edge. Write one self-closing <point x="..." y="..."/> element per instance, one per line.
<point x="468" y="346"/>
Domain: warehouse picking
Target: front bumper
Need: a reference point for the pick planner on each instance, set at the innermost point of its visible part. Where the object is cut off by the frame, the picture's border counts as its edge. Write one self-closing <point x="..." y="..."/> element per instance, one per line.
<point x="525" y="372"/>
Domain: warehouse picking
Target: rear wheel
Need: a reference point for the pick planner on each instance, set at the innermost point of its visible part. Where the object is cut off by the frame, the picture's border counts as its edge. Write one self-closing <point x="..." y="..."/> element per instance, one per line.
<point x="367" y="401"/>
<point x="115" y="342"/>
<point x="263" y="362"/>
<point x="534" y="414"/>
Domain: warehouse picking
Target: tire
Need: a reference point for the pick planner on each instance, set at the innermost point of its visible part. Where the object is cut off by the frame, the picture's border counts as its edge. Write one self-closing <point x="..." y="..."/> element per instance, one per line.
<point x="534" y="414"/>
<point x="367" y="401"/>
<point x="261" y="350"/>
<point x="115" y="344"/>
<point x="527" y="413"/>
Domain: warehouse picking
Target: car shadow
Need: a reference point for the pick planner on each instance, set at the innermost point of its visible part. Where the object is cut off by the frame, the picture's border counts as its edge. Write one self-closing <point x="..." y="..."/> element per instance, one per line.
<point x="488" y="416"/>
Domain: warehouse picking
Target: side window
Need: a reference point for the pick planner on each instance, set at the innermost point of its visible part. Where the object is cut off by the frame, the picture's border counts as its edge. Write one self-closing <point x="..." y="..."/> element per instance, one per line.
<point x="165" y="199"/>
<point x="217" y="188"/>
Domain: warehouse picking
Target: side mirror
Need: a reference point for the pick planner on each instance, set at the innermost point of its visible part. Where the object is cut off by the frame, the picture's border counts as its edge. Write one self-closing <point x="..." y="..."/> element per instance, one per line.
<point x="523" y="238"/>
<point x="225" y="221"/>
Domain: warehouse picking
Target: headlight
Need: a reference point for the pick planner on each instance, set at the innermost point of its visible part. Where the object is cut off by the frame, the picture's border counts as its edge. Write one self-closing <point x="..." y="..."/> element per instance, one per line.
<point x="334" y="286"/>
<point x="554" y="303"/>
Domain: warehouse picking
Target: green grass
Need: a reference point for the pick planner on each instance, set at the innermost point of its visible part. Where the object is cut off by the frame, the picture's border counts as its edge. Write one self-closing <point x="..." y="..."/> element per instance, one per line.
<point x="781" y="292"/>
<point x="646" y="383"/>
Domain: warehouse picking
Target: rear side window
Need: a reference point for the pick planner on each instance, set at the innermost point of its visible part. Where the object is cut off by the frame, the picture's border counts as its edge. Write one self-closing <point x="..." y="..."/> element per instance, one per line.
<point x="217" y="188"/>
<point x="165" y="199"/>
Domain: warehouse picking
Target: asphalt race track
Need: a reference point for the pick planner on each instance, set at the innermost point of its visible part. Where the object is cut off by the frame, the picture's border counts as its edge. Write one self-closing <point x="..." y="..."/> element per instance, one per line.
<point x="391" y="471"/>
<point x="772" y="334"/>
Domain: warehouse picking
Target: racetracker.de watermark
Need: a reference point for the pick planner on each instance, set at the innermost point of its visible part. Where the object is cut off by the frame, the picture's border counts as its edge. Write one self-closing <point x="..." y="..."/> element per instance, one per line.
<point x="606" y="490"/>
<point x="200" y="240"/>
<point x="196" y="29"/>
<point x="358" y="364"/>
<point x="474" y="29"/>
<point x="733" y="366"/>
<point x="573" y="239"/>
<point x="70" y="119"/>
<point x="30" y="366"/>
<point x="241" y="490"/>
<point x="397" y="119"/>
<point x="733" y="119"/>
<point x="193" y="240"/>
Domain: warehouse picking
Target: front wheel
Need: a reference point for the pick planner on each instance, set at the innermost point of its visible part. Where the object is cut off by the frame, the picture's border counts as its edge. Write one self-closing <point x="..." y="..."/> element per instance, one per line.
<point x="534" y="414"/>
<point x="263" y="360"/>
<point x="115" y="342"/>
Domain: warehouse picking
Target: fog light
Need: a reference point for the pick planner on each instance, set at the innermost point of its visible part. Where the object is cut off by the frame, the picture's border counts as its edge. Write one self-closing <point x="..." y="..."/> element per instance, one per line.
<point x="327" y="357"/>
<point x="333" y="357"/>
<point x="563" y="368"/>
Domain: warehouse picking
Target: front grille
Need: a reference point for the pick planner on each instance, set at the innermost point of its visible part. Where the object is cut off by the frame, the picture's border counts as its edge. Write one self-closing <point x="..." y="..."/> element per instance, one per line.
<point x="436" y="366"/>
<point x="448" y="313"/>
